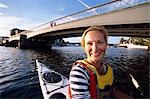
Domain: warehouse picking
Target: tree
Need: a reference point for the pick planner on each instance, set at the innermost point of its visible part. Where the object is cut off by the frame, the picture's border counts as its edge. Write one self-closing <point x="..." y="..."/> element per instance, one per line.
<point x="122" y="40"/>
<point x="140" y="41"/>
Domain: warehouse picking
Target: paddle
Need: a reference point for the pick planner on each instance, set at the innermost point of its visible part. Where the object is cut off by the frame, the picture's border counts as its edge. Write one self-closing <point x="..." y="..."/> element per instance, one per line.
<point x="134" y="81"/>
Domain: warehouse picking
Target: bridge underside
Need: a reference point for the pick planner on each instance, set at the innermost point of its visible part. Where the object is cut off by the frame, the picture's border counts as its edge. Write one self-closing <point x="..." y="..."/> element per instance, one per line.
<point x="34" y="43"/>
<point x="135" y="30"/>
<point x="129" y="30"/>
<point x="45" y="40"/>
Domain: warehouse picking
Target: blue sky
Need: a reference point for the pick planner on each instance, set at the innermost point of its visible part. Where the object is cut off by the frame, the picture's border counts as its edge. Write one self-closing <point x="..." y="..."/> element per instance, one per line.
<point x="25" y="14"/>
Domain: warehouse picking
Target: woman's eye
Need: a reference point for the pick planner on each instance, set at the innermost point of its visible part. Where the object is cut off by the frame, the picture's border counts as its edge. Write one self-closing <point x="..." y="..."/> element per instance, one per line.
<point x="89" y="43"/>
<point x="100" y="42"/>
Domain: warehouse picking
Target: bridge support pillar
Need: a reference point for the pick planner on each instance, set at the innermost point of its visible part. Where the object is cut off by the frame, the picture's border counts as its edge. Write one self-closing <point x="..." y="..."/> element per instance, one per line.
<point x="6" y="44"/>
<point x="23" y="41"/>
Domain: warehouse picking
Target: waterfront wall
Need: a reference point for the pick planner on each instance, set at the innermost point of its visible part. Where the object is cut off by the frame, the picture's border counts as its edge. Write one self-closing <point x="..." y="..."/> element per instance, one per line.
<point x="25" y="43"/>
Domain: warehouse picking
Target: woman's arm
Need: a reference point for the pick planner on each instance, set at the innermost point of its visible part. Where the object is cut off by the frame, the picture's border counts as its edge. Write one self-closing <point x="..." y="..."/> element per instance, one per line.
<point x="79" y="83"/>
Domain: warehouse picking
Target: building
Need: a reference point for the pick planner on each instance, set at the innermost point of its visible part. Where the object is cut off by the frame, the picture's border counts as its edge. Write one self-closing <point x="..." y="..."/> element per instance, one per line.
<point x="2" y="38"/>
<point x="15" y="31"/>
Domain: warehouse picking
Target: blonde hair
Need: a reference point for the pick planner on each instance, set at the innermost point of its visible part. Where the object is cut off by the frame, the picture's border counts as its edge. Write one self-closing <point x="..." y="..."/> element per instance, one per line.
<point x="94" y="28"/>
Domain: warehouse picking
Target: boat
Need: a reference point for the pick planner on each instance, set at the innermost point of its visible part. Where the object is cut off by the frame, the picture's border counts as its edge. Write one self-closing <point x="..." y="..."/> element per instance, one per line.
<point x="53" y="84"/>
<point x="132" y="46"/>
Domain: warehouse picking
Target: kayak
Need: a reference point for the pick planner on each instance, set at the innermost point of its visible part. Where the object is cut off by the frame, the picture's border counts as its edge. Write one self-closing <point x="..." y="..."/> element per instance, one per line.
<point x="53" y="84"/>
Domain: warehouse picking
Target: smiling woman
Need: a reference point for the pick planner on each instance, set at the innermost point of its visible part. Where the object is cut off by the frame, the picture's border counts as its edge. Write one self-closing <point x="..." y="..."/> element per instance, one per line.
<point x="94" y="42"/>
<point x="92" y="78"/>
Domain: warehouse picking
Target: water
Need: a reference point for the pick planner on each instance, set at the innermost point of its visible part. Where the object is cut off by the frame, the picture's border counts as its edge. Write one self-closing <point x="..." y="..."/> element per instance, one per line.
<point x="18" y="78"/>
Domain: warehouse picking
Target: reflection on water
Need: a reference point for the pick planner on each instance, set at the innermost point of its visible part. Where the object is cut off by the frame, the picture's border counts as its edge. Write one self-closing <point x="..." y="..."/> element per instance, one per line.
<point x="18" y="79"/>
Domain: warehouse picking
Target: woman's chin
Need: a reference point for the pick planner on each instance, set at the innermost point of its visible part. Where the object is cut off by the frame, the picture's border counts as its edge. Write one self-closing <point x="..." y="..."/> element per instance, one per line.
<point x="96" y="59"/>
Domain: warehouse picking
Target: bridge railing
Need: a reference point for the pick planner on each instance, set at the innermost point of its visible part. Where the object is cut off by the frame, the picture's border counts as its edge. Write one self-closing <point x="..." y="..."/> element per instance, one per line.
<point x="100" y="9"/>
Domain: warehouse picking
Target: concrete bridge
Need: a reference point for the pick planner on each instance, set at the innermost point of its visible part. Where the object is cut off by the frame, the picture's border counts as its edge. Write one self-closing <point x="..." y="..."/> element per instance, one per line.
<point x="129" y="20"/>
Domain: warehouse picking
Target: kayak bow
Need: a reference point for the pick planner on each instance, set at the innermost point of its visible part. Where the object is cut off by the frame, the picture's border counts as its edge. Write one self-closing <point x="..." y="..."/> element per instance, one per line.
<point x="53" y="84"/>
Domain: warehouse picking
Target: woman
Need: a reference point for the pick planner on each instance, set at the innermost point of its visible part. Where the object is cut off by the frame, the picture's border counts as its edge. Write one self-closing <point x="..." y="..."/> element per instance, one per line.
<point x="93" y="77"/>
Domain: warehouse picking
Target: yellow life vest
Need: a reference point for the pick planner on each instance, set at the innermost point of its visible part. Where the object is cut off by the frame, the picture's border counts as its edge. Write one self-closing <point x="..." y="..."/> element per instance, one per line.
<point x="103" y="80"/>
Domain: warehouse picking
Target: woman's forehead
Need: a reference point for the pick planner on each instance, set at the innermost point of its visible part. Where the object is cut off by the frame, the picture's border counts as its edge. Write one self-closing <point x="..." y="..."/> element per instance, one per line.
<point x="94" y="35"/>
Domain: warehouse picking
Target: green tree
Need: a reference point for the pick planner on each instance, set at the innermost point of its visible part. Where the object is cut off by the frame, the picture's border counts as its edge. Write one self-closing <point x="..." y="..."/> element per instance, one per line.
<point x="140" y="41"/>
<point x="122" y="40"/>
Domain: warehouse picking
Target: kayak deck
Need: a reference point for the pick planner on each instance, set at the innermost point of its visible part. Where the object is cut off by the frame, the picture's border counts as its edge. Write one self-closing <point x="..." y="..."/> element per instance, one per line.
<point x="53" y="84"/>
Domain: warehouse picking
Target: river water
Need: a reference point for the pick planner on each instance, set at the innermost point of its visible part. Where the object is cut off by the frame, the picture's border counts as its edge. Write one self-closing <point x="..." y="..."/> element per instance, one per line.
<point x="18" y="78"/>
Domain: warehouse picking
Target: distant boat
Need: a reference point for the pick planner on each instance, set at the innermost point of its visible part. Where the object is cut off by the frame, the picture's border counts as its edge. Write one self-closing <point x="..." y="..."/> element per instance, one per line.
<point x="132" y="46"/>
<point x="122" y="45"/>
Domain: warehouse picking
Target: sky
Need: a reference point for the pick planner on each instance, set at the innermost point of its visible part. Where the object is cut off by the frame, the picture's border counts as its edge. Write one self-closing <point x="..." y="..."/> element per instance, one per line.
<point x="26" y="14"/>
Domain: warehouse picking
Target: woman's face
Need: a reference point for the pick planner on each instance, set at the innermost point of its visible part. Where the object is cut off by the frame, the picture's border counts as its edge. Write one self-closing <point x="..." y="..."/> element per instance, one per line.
<point x="95" y="46"/>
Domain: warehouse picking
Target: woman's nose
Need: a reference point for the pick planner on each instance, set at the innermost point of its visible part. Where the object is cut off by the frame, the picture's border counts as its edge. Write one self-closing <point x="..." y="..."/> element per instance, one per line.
<point x="94" y="47"/>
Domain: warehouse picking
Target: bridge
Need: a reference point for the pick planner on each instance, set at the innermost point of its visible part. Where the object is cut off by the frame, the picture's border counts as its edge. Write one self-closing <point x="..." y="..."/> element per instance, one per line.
<point x="121" y="18"/>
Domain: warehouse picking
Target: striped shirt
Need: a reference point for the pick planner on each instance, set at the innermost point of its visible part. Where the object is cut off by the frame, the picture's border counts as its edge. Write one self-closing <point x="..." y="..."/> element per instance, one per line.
<point x="79" y="82"/>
